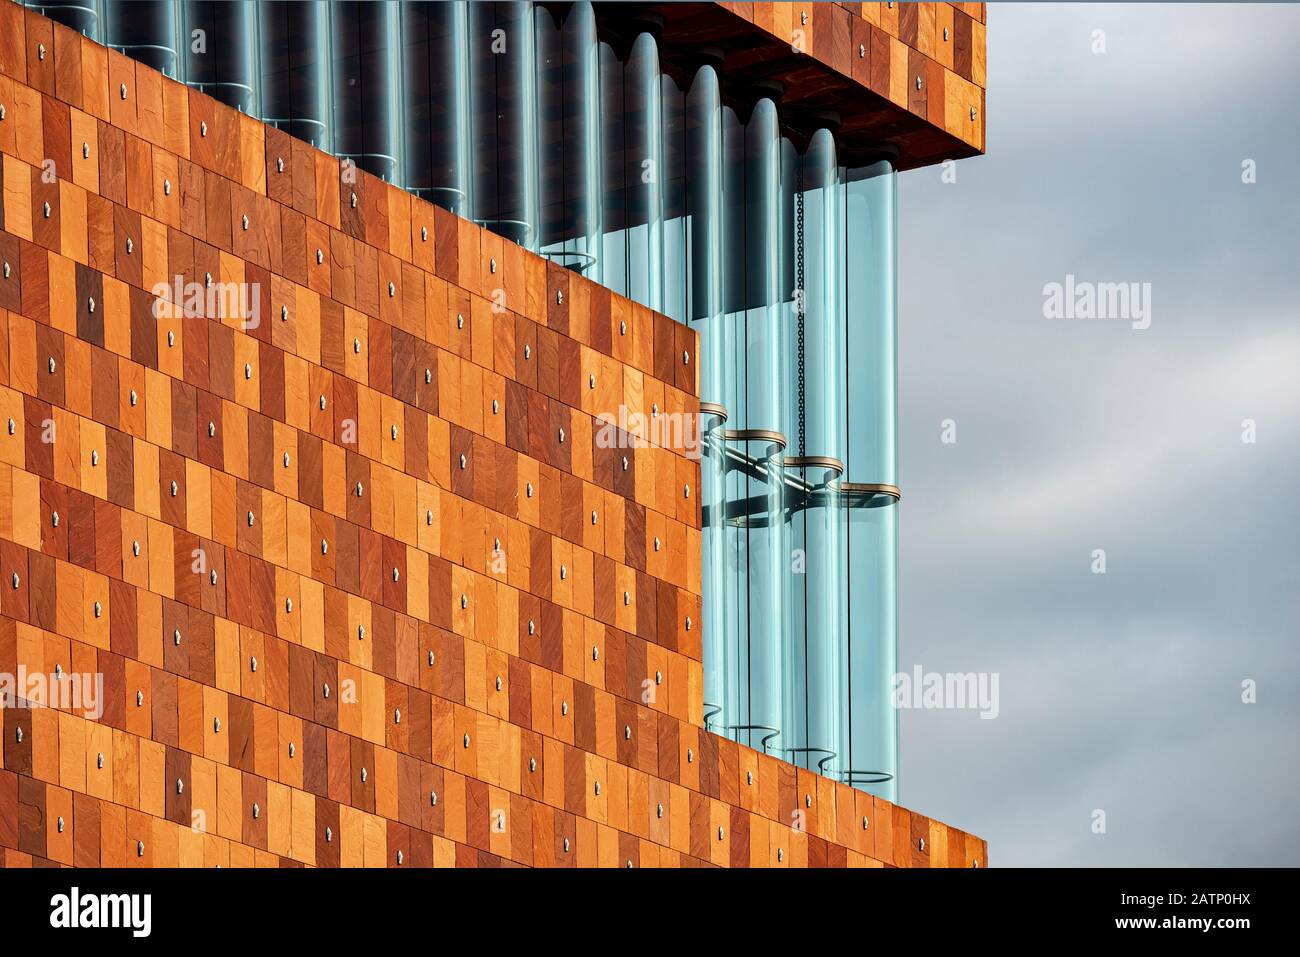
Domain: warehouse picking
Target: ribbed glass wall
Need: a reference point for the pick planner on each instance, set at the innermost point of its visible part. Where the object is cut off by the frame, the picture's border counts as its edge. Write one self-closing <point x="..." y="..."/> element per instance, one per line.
<point x="569" y="130"/>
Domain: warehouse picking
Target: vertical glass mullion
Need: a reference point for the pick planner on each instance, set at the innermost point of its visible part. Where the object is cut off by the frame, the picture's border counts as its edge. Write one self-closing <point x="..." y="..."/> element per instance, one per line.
<point x="222" y="62"/>
<point x="145" y="31"/>
<point x="366" y="54"/>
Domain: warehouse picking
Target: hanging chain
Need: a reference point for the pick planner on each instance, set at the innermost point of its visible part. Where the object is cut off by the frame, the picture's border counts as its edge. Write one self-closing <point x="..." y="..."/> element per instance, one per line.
<point x="801" y="300"/>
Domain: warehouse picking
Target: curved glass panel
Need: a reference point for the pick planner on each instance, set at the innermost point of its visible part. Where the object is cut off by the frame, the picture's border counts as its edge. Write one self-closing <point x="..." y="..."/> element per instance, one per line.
<point x="220" y="44"/>
<point x="871" y="458"/>
<point x="365" y="51"/>
<point x="80" y="15"/>
<point x="294" y="68"/>
<point x="568" y="58"/>
<point x="145" y="31"/>
<point x="872" y="762"/>
<point x="435" y="103"/>
<point x="503" y="76"/>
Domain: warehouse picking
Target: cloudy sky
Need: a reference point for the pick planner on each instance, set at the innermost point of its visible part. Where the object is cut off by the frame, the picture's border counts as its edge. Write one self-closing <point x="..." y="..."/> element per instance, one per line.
<point x="1120" y="692"/>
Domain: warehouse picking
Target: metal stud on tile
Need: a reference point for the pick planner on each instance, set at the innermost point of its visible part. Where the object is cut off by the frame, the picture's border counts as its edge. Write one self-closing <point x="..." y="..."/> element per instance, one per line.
<point x="171" y="338"/>
<point x="460" y="321"/>
<point x="325" y="690"/>
<point x="94" y="457"/>
<point x="559" y="297"/>
<point x="212" y="429"/>
<point x="121" y="91"/>
<point x="492" y="265"/>
<point x="8" y="269"/>
<point x="135" y="548"/>
<point x="293" y="749"/>
<point x="972" y="113"/>
<point x="203" y="128"/>
<point x="364" y="775"/>
<point x="360" y="490"/>
<point x="464" y="601"/>
<point x="286" y="459"/>
<point x="15" y="580"/>
<point x="495" y="406"/>
<point x="134" y="398"/>
<point x="564" y="708"/>
<point x="329" y="835"/>
<point x="396" y="574"/>
<point x="167" y="191"/>
<point x="780" y="854"/>
<point x="749" y="778"/>
<point x="51" y="365"/>
<point x="90" y="305"/>
<point x="18" y="734"/>
<point x="465" y="741"/>
<point x="528" y="351"/>
<point x="212" y="577"/>
<point x="654" y="410"/>
<point x="463" y="460"/>
<point x="688" y="622"/>
<point x="216" y="725"/>
<point x="130" y="245"/>
<point x="627" y="598"/>
<point x="920" y="844"/>
<point x="657" y="543"/>
<point x="279" y="164"/>
<point x="918" y="82"/>
<point x="428" y="376"/>
<point x="284" y="313"/>
<point x="432" y="659"/>
<point x="659" y="677"/>
<point x="424" y="234"/>
<point x="99" y="610"/>
<point x="46" y="210"/>
<point x="433" y="798"/>
<point x="498" y="682"/>
<point x="392" y="290"/>
<point x="807" y="800"/>
<point x="139" y="699"/>
<point x="528" y="489"/>
<point x="353" y="200"/>
<point x="865" y="824"/>
<point x="566" y="845"/>
<point x="139" y="845"/>
<point x="598" y="787"/>
<point x="945" y="33"/>
<point x="58" y="671"/>
<point x="13" y="426"/>
<point x="174" y="489"/>
<point x="99" y="760"/>
<point x="659" y="810"/>
<point x="428" y="517"/>
<point x="627" y="732"/>
<point x="593" y="517"/>
<point x="532" y="765"/>
<point x="40" y="51"/>
<point x="564" y="572"/>
<point x="180" y="786"/>
<point x="361" y="632"/>
<point x="248" y="370"/>
<point x="322" y="403"/>
<point x="561" y="436"/>
<point x="690" y="756"/>
<point x="320" y="256"/>
<point x="252" y="663"/>
<point x="595" y="652"/>
<point x="55" y="519"/>
<point x="251" y="519"/>
<point x="392" y="433"/>
<point x="721" y="832"/>
<point x="625" y="463"/>
<point x="176" y="636"/>
<point x="862" y="51"/>
<point x="622" y="328"/>
<point x="399" y="857"/>
<point x="532" y="626"/>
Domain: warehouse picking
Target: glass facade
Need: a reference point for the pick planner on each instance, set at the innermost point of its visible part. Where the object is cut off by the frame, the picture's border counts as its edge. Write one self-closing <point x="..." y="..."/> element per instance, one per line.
<point x="568" y="130"/>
